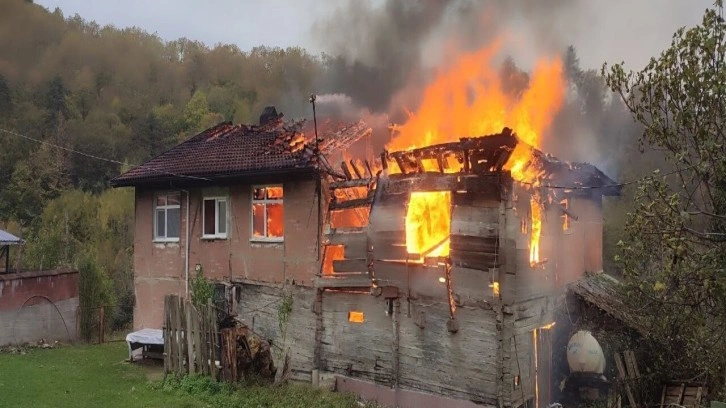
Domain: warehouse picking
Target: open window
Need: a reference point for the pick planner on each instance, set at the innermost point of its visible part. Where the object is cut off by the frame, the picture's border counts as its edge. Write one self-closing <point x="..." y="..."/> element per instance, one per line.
<point x="167" y="217"/>
<point x="267" y="213"/>
<point x="215" y="218"/>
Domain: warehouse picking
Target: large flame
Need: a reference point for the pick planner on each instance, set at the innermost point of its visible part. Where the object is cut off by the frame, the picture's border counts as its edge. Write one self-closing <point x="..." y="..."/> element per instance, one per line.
<point x="428" y="221"/>
<point x="467" y="100"/>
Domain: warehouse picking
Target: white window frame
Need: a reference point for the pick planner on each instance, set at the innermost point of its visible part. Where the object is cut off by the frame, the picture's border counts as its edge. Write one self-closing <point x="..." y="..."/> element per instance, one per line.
<point x="265" y="201"/>
<point x="166" y="208"/>
<point x="217" y="234"/>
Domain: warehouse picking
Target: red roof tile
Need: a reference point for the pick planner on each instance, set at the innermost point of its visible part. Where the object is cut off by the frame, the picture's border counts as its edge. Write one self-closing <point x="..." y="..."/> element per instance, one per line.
<point x="222" y="151"/>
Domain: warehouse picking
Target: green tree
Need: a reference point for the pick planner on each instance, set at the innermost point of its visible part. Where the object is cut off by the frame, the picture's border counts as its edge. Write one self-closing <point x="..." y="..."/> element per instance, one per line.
<point x="674" y="250"/>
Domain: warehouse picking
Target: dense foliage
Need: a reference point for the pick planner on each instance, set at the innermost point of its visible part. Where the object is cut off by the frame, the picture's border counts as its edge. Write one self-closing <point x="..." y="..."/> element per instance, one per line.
<point x="674" y="249"/>
<point x="121" y="96"/>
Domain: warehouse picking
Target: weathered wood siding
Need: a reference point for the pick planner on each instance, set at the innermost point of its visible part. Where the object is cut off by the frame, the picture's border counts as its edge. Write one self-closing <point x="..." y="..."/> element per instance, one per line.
<point x="429" y="358"/>
<point x="258" y="308"/>
<point x="359" y="350"/>
<point x="460" y="365"/>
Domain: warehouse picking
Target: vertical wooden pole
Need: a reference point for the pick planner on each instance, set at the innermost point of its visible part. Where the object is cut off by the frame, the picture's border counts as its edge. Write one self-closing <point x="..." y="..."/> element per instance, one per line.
<point x="189" y="337"/>
<point x="213" y="340"/>
<point x="101" y="324"/>
<point x="197" y="341"/>
<point x="205" y="339"/>
<point x="167" y="338"/>
<point x="179" y="339"/>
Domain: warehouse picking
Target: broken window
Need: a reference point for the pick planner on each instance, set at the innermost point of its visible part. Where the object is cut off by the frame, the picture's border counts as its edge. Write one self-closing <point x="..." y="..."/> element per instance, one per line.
<point x="167" y="217"/>
<point x="267" y="213"/>
<point x="215" y="217"/>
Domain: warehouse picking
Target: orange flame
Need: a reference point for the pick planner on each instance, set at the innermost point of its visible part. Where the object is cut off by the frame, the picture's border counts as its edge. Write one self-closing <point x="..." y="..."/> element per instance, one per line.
<point x="428" y="220"/>
<point x="468" y="100"/>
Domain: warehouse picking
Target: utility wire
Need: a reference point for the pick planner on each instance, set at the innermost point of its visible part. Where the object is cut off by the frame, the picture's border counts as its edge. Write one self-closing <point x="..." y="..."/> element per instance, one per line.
<point x="550" y="186"/>
<point x="91" y="156"/>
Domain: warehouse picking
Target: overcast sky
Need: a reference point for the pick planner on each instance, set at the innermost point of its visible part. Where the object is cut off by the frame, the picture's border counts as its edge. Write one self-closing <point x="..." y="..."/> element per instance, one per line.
<point x="615" y="30"/>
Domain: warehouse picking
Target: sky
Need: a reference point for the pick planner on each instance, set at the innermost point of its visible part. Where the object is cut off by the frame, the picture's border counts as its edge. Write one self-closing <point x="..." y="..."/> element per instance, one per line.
<point x="613" y="31"/>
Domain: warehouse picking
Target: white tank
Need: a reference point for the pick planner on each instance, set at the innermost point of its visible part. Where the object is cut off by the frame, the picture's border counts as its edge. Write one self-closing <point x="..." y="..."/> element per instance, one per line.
<point x="584" y="354"/>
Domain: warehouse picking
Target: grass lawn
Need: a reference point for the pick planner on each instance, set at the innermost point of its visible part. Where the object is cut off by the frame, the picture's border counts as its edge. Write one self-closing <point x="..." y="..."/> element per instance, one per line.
<point x="98" y="376"/>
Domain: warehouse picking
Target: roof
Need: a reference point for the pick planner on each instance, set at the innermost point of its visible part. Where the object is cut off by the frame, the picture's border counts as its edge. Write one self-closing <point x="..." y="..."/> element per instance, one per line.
<point x="604" y="292"/>
<point x="223" y="151"/>
<point x="228" y="151"/>
<point x="7" y="238"/>
<point x="489" y="154"/>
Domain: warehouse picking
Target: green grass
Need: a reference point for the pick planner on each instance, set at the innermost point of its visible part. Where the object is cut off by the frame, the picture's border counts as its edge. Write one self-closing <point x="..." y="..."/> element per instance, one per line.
<point x="98" y="376"/>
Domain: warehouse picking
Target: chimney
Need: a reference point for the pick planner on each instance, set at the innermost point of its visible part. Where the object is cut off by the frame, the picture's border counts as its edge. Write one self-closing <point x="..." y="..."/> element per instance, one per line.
<point x="269" y="114"/>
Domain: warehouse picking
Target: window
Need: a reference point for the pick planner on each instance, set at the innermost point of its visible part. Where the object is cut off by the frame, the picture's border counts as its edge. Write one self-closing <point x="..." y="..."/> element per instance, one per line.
<point x="267" y="213"/>
<point x="215" y="217"/>
<point x="167" y="217"/>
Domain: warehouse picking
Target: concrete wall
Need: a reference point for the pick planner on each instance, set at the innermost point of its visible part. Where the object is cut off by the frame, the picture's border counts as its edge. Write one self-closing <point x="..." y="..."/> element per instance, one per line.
<point x="160" y="267"/>
<point x="38" y="305"/>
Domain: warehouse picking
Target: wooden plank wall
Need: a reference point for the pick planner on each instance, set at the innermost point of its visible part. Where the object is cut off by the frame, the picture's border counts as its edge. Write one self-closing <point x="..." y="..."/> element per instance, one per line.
<point x="359" y="350"/>
<point x="460" y="365"/>
<point x="258" y="308"/>
<point x="429" y="358"/>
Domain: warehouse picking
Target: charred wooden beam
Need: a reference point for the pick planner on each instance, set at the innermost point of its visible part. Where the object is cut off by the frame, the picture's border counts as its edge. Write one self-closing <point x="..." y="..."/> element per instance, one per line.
<point x="400" y="164"/>
<point x="346" y="171"/>
<point x="362" y="182"/>
<point x="368" y="167"/>
<point x="355" y="203"/>
<point x="384" y="161"/>
<point x="419" y="164"/>
<point x="466" y="161"/>
<point x="355" y="169"/>
<point x="440" y="162"/>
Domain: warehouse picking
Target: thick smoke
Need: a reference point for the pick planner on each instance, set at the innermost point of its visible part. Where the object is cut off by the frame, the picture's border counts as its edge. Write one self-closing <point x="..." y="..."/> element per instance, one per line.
<point x="381" y="54"/>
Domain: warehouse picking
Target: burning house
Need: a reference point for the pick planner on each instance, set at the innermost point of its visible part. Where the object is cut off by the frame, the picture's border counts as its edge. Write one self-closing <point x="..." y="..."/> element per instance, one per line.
<point x="429" y="275"/>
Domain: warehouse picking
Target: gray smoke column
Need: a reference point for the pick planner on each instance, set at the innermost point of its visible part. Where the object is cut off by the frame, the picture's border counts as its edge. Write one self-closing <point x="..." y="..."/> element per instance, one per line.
<point x="380" y="54"/>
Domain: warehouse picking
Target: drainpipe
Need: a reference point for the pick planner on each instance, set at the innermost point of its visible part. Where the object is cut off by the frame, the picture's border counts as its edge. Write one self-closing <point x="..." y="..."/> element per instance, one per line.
<point x="186" y="249"/>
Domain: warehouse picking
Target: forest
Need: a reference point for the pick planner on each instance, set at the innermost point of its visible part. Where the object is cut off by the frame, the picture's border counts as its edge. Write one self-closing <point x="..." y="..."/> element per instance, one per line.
<point x="80" y="103"/>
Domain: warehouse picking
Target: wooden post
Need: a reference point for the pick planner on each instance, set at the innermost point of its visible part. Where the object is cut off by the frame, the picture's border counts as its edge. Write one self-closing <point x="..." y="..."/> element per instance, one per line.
<point x="197" y="341"/>
<point x="165" y="329"/>
<point x="188" y="334"/>
<point x="213" y="340"/>
<point x="178" y="336"/>
<point x="101" y="319"/>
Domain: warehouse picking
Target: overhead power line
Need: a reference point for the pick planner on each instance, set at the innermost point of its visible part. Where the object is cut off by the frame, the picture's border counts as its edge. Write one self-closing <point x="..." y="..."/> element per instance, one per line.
<point x="105" y="159"/>
<point x="92" y="156"/>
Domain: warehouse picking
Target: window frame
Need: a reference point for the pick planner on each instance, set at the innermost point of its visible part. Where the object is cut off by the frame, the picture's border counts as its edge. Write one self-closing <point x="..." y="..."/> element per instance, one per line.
<point x="166" y="207"/>
<point x="217" y="234"/>
<point x="265" y="201"/>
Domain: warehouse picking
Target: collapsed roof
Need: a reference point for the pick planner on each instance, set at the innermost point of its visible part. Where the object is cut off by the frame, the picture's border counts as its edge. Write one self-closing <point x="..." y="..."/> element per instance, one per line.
<point x="226" y="152"/>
